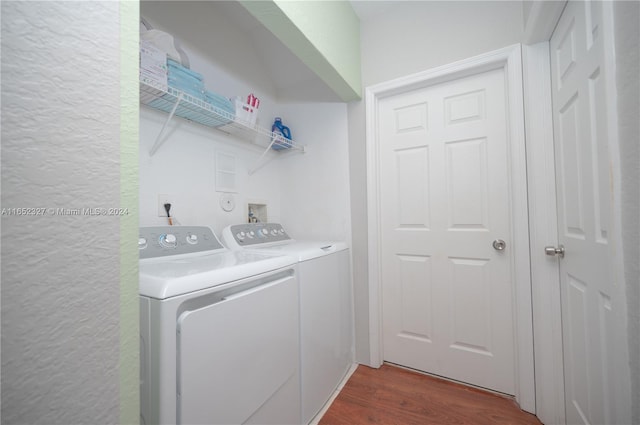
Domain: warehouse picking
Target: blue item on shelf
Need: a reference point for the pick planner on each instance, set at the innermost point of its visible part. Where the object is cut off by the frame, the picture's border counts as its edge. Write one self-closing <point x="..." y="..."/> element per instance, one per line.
<point x="178" y="69"/>
<point x="281" y="134"/>
<point x="220" y="103"/>
<point x="185" y="80"/>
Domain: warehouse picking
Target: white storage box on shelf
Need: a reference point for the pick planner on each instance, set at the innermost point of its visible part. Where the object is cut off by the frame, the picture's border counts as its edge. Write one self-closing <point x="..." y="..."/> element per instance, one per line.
<point x="246" y="117"/>
<point x="153" y="65"/>
<point x="246" y="114"/>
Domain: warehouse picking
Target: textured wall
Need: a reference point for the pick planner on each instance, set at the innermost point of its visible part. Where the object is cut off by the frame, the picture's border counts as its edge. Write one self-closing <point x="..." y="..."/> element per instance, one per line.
<point x="60" y="273"/>
<point x="627" y="34"/>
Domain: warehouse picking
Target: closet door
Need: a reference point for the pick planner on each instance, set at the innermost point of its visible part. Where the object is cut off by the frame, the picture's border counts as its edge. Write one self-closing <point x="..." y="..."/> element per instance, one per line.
<point x="447" y="253"/>
<point x="592" y="297"/>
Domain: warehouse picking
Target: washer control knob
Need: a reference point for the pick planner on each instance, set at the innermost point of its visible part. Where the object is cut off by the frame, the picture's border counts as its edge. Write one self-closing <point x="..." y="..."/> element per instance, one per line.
<point x="168" y="241"/>
<point x="274" y="232"/>
<point x="192" y="239"/>
<point x="251" y="234"/>
<point x="281" y="231"/>
<point x="240" y="236"/>
<point x="265" y="232"/>
<point x="142" y="243"/>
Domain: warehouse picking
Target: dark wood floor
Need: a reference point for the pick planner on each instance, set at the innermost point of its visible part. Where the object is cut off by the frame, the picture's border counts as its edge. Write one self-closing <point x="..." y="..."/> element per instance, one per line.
<point x="396" y="396"/>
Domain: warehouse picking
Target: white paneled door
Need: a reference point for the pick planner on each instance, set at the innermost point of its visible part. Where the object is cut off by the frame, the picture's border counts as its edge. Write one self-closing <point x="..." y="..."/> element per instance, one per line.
<point x="446" y="244"/>
<point x="590" y="290"/>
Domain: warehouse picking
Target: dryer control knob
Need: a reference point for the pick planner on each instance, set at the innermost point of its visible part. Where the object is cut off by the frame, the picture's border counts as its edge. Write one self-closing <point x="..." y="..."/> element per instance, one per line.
<point x="168" y="241"/>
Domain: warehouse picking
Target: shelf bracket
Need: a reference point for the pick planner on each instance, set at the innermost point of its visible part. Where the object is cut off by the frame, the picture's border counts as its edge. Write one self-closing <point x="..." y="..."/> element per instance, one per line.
<point x="159" y="139"/>
<point x="259" y="163"/>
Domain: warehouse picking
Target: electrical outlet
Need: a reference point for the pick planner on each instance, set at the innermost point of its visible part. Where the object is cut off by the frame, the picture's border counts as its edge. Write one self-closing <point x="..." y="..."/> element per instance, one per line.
<point x="164" y="199"/>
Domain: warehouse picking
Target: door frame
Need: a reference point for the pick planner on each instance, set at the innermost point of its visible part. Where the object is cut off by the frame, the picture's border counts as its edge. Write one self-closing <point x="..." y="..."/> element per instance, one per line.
<point x="543" y="231"/>
<point x="510" y="60"/>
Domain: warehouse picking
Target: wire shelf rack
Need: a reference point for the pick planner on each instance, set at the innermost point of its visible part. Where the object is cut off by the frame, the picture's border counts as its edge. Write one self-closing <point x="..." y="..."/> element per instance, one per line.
<point x="184" y="105"/>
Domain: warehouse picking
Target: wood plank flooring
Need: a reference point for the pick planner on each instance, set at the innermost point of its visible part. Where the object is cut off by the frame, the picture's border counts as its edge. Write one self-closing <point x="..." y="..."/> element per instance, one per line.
<point x="396" y="396"/>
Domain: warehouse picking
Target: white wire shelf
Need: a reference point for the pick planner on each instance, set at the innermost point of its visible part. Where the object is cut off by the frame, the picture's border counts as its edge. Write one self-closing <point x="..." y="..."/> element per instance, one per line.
<point x="183" y="105"/>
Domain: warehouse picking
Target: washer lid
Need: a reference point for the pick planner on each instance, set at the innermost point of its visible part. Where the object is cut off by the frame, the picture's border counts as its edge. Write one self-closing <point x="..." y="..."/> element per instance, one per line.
<point x="171" y="276"/>
<point x="301" y="250"/>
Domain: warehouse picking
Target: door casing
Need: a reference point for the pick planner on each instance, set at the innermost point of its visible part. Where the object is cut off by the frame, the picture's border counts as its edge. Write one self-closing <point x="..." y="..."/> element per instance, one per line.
<point x="508" y="59"/>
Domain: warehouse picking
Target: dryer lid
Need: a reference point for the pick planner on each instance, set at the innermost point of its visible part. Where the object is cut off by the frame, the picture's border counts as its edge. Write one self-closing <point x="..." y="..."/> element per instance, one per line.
<point x="170" y="277"/>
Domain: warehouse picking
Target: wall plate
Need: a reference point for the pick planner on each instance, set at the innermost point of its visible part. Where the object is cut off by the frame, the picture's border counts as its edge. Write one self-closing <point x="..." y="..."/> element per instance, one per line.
<point x="227" y="202"/>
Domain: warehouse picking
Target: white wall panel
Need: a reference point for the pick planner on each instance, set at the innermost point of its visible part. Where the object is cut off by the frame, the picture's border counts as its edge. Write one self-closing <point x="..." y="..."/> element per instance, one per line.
<point x="413" y="187"/>
<point x="471" y="315"/>
<point x="416" y="298"/>
<point x="466" y="170"/>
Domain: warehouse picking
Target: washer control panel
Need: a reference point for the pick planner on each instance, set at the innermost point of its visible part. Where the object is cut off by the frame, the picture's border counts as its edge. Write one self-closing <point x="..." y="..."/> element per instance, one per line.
<point x="160" y="241"/>
<point x="249" y="234"/>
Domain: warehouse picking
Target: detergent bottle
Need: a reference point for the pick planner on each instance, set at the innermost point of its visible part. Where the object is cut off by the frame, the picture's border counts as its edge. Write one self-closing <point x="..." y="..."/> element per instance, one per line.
<point x="281" y="135"/>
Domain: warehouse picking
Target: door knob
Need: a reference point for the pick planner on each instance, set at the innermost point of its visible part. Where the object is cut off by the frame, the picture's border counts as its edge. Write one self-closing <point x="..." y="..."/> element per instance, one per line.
<point x="552" y="250"/>
<point x="499" y="245"/>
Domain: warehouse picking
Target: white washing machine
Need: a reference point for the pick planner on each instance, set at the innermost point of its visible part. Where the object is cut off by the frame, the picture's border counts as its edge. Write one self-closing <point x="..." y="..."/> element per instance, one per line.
<point x="326" y="312"/>
<point x="219" y="331"/>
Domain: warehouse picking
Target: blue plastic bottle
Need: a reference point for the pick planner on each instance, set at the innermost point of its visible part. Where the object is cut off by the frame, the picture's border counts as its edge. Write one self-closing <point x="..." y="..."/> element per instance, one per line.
<point x="282" y="134"/>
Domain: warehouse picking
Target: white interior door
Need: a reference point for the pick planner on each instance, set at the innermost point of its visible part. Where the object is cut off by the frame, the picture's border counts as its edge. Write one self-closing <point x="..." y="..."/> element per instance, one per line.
<point x="590" y="290"/>
<point x="447" y="293"/>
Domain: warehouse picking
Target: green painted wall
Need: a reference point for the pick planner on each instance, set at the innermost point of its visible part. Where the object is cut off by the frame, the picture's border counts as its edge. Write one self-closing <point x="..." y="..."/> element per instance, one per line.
<point x="129" y="122"/>
<point x="325" y="35"/>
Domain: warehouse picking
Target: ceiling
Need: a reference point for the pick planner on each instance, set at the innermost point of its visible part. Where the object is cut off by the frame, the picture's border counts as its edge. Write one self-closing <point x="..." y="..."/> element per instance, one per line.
<point x="367" y="9"/>
<point x="292" y="79"/>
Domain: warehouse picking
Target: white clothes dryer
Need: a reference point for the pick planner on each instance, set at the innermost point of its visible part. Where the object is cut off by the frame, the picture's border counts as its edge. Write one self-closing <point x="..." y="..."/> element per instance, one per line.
<point x="219" y="331"/>
<point x="326" y="311"/>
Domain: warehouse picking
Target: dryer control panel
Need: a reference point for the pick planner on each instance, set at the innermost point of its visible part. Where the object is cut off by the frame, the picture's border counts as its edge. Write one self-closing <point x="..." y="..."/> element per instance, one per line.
<point x="252" y="234"/>
<point x="161" y="241"/>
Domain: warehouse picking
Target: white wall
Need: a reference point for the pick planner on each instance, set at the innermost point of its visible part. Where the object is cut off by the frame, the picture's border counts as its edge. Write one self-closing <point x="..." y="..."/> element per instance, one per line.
<point x="408" y="38"/>
<point x="184" y="166"/>
<point x="415" y="36"/>
<point x="308" y="193"/>
<point x="315" y="185"/>
<point x="526" y="11"/>
<point x="627" y="34"/>
<point x="61" y="305"/>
